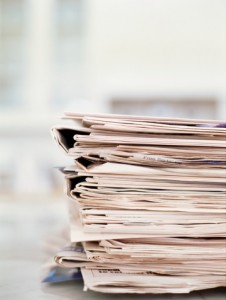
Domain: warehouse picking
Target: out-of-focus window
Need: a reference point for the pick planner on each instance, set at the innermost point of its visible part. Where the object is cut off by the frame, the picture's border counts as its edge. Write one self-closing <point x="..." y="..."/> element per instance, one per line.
<point x="68" y="45"/>
<point x="12" y="53"/>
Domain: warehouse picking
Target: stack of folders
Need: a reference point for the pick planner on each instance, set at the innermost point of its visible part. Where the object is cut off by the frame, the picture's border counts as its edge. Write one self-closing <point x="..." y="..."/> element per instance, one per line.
<point x="147" y="202"/>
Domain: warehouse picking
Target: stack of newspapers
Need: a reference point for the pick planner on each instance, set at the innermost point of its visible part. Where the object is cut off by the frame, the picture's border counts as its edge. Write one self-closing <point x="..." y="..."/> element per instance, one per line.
<point x="147" y="202"/>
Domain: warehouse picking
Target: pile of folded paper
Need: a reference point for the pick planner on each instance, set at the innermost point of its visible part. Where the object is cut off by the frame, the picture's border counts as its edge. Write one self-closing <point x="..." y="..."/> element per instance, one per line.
<point x="147" y="202"/>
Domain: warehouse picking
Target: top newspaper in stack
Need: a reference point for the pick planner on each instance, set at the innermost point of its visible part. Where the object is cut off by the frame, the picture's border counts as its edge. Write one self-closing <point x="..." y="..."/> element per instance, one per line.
<point x="144" y="141"/>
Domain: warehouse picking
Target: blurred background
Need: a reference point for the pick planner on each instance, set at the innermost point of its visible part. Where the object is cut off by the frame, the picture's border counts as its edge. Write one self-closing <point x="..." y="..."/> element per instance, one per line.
<point x="149" y="57"/>
<point x="145" y="57"/>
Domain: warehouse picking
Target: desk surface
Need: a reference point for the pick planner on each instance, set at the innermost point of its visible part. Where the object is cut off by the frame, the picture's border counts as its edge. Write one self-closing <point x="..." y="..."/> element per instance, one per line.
<point x="24" y="225"/>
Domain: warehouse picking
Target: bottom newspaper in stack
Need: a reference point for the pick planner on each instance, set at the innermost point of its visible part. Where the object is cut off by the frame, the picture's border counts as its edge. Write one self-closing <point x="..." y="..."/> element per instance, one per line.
<point x="126" y="263"/>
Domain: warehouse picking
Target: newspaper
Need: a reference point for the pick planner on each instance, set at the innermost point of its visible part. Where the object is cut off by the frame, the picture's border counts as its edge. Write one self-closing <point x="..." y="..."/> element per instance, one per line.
<point x="116" y="281"/>
<point x="146" y="201"/>
<point x="166" y="256"/>
<point x="184" y="204"/>
<point x="143" y="141"/>
<point x="192" y="258"/>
